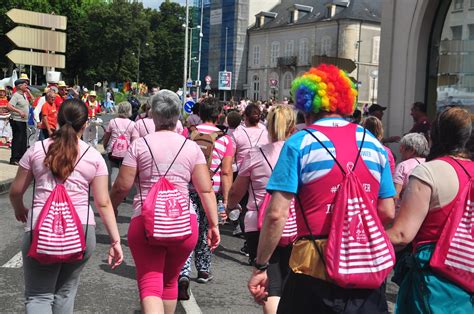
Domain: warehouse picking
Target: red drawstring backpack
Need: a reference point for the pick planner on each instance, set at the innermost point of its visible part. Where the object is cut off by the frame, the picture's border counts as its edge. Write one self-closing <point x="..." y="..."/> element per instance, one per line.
<point x="165" y="211"/>
<point x="120" y="146"/>
<point x="290" y="230"/>
<point x="358" y="253"/>
<point x="58" y="236"/>
<point x="453" y="257"/>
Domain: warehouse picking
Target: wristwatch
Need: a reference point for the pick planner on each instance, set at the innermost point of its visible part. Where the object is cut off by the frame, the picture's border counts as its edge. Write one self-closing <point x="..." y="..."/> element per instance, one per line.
<point x="260" y="267"/>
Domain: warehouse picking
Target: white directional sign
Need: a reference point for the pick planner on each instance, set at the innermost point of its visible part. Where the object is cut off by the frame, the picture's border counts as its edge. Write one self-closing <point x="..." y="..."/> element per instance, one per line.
<point x="38" y="19"/>
<point x="37" y="58"/>
<point x="40" y="39"/>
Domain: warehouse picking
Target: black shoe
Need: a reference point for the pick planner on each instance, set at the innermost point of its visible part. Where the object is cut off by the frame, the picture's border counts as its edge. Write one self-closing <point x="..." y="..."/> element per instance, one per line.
<point x="204" y="277"/>
<point x="14" y="162"/>
<point x="245" y="250"/>
<point x="183" y="288"/>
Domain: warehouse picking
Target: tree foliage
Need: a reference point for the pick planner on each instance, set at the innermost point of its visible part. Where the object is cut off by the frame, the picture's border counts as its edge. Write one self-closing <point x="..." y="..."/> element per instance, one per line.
<point x="106" y="38"/>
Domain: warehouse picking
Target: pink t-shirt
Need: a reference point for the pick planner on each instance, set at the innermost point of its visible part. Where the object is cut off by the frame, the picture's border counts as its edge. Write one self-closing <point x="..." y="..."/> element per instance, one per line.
<point x="90" y="166"/>
<point x="164" y="146"/>
<point x="244" y="138"/>
<point x="256" y="167"/>
<point x="119" y="126"/>
<point x="222" y="148"/>
<point x="404" y="169"/>
<point x="146" y="126"/>
<point x="391" y="160"/>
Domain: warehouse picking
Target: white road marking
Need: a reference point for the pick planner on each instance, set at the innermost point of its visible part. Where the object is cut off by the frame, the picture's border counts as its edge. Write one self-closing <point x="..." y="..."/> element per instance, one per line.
<point x="191" y="306"/>
<point x="15" y="262"/>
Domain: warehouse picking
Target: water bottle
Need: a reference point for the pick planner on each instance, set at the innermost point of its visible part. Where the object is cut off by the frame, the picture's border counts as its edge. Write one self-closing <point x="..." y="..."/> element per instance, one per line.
<point x="235" y="213"/>
<point x="220" y="209"/>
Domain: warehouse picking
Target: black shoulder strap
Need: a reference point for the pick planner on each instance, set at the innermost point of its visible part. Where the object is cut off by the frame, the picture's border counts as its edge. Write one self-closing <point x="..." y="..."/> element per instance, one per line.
<point x="462" y="167"/>
<point x="154" y="161"/>
<point x="250" y="141"/>
<point x="266" y="159"/>
<point x="324" y="146"/>
<point x="146" y="128"/>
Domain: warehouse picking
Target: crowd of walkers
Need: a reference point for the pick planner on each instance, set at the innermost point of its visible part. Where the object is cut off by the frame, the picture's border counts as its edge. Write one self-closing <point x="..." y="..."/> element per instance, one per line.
<point x="326" y="212"/>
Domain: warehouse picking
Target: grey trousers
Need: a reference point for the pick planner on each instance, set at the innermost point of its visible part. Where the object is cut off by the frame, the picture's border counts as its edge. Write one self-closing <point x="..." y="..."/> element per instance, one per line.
<point x="52" y="288"/>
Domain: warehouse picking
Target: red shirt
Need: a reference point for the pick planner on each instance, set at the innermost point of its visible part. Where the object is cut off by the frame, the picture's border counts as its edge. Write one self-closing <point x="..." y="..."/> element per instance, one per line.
<point x="3" y="106"/>
<point x="93" y="110"/>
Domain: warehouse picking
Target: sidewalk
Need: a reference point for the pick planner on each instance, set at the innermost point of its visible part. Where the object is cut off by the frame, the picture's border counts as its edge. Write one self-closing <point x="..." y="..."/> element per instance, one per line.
<point x="7" y="171"/>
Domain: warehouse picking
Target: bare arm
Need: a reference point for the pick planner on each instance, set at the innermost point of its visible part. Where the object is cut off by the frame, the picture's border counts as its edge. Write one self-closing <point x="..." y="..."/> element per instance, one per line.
<point x="398" y="188"/>
<point x="237" y="191"/>
<point x="17" y="190"/>
<point x="46" y="124"/>
<point x="413" y="211"/>
<point x="106" y="212"/>
<point x="226" y="177"/>
<point x="386" y="210"/>
<point x="11" y="108"/>
<point x="203" y="185"/>
<point x="273" y="224"/>
<point x="122" y="185"/>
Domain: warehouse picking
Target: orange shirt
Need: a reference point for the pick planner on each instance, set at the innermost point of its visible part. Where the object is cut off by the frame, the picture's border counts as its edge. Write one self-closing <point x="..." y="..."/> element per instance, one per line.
<point x="94" y="108"/>
<point x="51" y="114"/>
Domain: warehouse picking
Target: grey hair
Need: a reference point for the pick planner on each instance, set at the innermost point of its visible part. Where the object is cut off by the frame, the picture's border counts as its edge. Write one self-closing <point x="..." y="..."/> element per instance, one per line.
<point x="165" y="109"/>
<point x="416" y="142"/>
<point x="124" y="109"/>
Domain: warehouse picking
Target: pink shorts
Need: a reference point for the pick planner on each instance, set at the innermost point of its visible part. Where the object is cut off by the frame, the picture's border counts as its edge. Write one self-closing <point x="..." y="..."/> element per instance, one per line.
<point x="158" y="267"/>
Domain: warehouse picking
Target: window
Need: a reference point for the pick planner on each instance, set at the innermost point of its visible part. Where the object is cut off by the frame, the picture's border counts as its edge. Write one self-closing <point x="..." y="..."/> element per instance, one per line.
<point x="326" y="44"/>
<point x="287" y="79"/>
<point x="375" y="49"/>
<point x="472" y="4"/>
<point x="256" y="87"/>
<point x="303" y="55"/>
<point x="289" y="49"/>
<point x="457" y="32"/>
<point x="471" y="31"/>
<point x="256" y="55"/>
<point x="458" y="4"/>
<point x="275" y="53"/>
<point x="291" y="18"/>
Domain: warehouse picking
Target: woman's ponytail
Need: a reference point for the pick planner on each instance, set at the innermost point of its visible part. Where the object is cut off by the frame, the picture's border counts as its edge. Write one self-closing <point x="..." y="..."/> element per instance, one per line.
<point x="62" y="153"/>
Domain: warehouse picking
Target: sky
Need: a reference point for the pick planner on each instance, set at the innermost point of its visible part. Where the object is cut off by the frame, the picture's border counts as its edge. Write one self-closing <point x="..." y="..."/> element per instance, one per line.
<point x="155" y="4"/>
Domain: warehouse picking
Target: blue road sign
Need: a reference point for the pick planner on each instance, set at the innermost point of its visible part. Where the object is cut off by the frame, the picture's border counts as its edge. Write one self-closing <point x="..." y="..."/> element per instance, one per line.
<point x="188" y="106"/>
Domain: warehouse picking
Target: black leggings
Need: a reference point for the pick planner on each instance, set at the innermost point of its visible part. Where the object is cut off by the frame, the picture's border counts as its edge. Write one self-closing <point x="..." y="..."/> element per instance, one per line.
<point x="278" y="268"/>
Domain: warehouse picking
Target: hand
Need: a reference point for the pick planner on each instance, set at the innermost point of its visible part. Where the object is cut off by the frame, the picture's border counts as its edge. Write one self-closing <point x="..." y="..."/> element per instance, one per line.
<point x="22" y="114"/>
<point x="21" y="215"/>
<point x="115" y="255"/>
<point x="258" y="286"/>
<point x="213" y="237"/>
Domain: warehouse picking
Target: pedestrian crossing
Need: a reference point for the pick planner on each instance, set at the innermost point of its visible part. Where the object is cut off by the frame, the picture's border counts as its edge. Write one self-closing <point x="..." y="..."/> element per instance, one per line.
<point x="15" y="262"/>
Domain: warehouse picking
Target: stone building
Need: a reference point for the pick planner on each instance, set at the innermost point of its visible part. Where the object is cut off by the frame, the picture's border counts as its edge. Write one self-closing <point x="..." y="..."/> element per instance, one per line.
<point x="296" y="34"/>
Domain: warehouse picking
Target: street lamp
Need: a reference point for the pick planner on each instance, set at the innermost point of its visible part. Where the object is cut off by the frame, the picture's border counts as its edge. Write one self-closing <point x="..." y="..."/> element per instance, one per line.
<point x="185" y="63"/>
<point x="374" y="74"/>
<point x="191" y="51"/>
<point x="198" y="89"/>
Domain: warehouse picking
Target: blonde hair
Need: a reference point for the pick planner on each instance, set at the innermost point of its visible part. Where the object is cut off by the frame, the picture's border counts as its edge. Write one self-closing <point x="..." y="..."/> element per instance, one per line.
<point x="374" y="125"/>
<point x="281" y="122"/>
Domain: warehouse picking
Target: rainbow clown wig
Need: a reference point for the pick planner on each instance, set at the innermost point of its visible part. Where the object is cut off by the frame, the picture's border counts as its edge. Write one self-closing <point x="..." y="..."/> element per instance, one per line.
<point x="325" y="88"/>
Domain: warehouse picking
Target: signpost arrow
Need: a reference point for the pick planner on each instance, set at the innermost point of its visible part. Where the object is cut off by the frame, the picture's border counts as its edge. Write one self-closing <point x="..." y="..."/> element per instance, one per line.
<point x="40" y="39"/>
<point x="37" y="58"/>
<point x="37" y="19"/>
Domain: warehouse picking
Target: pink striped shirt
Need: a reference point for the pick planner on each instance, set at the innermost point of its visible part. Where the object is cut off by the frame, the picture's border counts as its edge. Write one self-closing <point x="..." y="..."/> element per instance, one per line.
<point x="222" y="148"/>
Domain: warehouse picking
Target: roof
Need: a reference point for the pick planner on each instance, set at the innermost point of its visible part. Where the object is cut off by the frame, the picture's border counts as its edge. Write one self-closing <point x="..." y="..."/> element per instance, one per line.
<point x="365" y="10"/>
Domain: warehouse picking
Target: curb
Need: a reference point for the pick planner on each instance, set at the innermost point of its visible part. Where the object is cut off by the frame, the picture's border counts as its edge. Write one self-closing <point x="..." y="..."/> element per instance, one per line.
<point x="5" y="186"/>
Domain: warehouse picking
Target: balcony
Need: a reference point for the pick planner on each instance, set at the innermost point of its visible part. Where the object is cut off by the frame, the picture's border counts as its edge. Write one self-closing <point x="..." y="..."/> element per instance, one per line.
<point x="287" y="61"/>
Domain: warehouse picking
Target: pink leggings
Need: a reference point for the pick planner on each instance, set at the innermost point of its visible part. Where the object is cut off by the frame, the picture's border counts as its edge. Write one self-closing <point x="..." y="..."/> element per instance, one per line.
<point x="158" y="267"/>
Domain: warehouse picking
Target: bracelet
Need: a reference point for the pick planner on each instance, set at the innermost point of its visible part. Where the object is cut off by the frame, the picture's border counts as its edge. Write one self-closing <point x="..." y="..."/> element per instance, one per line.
<point x="115" y="243"/>
<point x="260" y="267"/>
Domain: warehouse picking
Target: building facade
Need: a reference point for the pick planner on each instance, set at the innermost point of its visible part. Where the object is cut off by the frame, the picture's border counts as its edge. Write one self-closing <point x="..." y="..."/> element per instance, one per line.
<point x="225" y="44"/>
<point x="295" y="35"/>
<point x="427" y="54"/>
